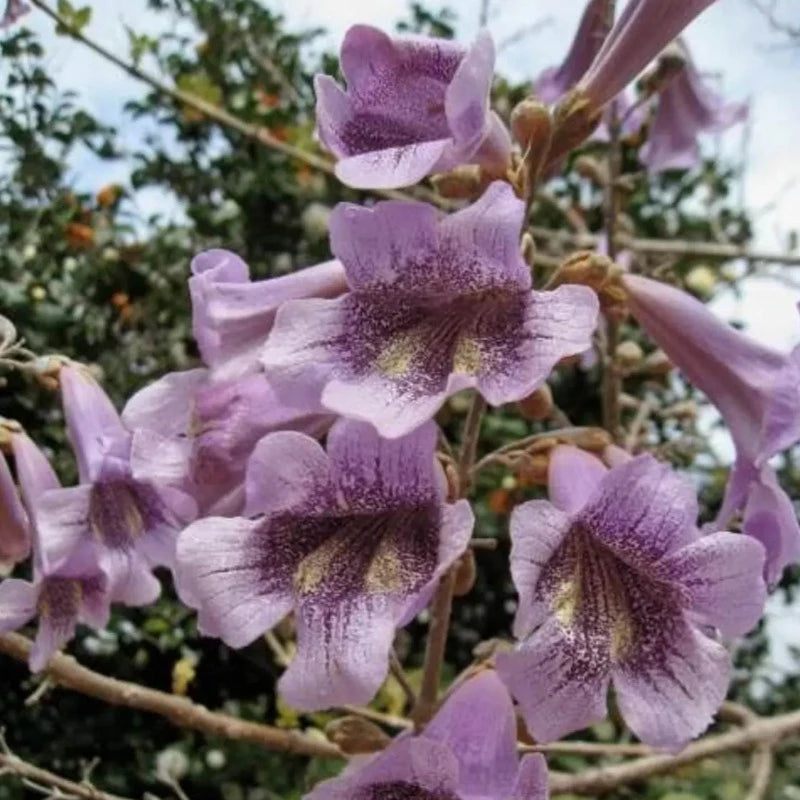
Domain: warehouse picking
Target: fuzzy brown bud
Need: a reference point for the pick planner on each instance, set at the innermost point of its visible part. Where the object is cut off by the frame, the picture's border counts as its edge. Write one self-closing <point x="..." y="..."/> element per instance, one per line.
<point x="461" y="183"/>
<point x="465" y="574"/>
<point x="628" y="354"/>
<point x="354" y="735"/>
<point x="537" y="405"/>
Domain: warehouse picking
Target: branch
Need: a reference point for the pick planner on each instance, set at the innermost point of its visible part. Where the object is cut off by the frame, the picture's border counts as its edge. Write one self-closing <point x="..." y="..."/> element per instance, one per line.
<point x="605" y="779"/>
<point x="67" y="672"/>
<point x="10" y="763"/>
<point x="669" y="247"/>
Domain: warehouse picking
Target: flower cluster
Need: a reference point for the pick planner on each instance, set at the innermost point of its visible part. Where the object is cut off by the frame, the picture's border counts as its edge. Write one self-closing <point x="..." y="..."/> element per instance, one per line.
<point x="219" y="473"/>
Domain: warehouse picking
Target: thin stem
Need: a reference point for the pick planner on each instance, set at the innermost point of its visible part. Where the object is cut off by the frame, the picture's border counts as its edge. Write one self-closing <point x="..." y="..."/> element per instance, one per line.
<point x="65" y="671"/>
<point x="389" y="720"/>
<point x="469" y="442"/>
<point x="588" y="749"/>
<point x="400" y="675"/>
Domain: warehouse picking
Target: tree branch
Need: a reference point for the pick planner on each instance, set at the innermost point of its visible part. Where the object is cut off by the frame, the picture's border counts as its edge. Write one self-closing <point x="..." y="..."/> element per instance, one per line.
<point x="605" y="779"/>
<point x="67" y="672"/>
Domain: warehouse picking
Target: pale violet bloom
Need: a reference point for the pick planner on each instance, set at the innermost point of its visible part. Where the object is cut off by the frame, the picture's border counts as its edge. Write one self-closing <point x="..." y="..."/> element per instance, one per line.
<point x="468" y="751"/>
<point x="617" y="586"/>
<point x="436" y="304"/>
<point x="15" y="540"/>
<point x="353" y="540"/>
<point x="76" y="591"/>
<point x="687" y="107"/>
<point x="757" y="392"/>
<point x="125" y="523"/>
<point x="413" y="105"/>
<point x="15" y="10"/>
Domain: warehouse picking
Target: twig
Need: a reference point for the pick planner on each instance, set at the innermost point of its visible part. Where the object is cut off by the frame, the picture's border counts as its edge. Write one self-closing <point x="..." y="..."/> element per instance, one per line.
<point x="65" y="671"/>
<point x="400" y="675"/>
<point x="604" y="779"/>
<point x="389" y="720"/>
<point x="588" y="749"/>
<point x="469" y="444"/>
<point x="761" y="771"/>
<point x="642" y="413"/>
<point x="28" y="772"/>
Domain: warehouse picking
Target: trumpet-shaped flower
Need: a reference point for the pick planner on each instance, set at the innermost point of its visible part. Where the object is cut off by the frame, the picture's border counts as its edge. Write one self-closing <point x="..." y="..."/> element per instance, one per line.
<point x="687" y="107"/>
<point x="436" y="305"/>
<point x="232" y="315"/>
<point x="75" y="592"/>
<point x="616" y="585"/>
<point x="642" y="31"/>
<point x="555" y="82"/>
<point x="413" y="106"/>
<point x="468" y="751"/>
<point x="125" y="524"/>
<point x="353" y="540"/>
<point x="756" y="390"/>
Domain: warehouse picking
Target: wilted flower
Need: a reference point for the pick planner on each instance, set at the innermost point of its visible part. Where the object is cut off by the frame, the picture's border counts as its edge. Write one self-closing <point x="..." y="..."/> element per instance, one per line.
<point x="198" y="433"/>
<point x="436" y="305"/>
<point x="616" y="585"/>
<point x="353" y="541"/>
<point x="757" y="391"/>
<point x="687" y="107"/>
<point x="414" y="105"/>
<point x="124" y="522"/>
<point x="468" y="751"/>
<point x="74" y="592"/>
<point x="232" y="315"/>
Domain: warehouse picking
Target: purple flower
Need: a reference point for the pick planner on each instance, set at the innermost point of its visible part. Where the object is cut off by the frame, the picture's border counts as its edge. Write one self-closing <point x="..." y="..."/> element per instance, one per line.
<point x="467" y="752"/>
<point x="687" y="107"/>
<point x="616" y="585"/>
<point x="353" y="541"/>
<point x="15" y="540"/>
<point x="75" y="592"/>
<point x="643" y="29"/>
<point x="192" y="431"/>
<point x="555" y="82"/>
<point x="436" y="305"/>
<point x="756" y="390"/>
<point x="413" y="106"/>
<point x="232" y="315"/>
<point x="122" y="522"/>
<point x="15" y="9"/>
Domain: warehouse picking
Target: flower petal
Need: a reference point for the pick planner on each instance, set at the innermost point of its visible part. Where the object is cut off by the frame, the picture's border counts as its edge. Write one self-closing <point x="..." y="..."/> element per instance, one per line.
<point x="478" y="725"/>
<point x="670" y="694"/>
<point x="537" y="529"/>
<point x="224" y="570"/>
<point x="723" y="574"/>
<point x="17" y="604"/>
<point x="643" y="512"/>
<point x="15" y="539"/>
<point x="35" y="473"/>
<point x="394" y="167"/>
<point x="573" y="476"/>
<point x="165" y="406"/>
<point x="62" y="523"/>
<point x="532" y="779"/>
<point x="93" y="424"/>
<point x="559" y="678"/>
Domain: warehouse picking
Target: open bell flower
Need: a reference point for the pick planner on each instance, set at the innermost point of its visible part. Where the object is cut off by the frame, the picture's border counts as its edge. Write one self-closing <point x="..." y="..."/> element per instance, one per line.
<point x="641" y="32"/>
<point x="414" y="105"/>
<point x="757" y="392"/>
<point x="353" y="540"/>
<point x="126" y="523"/>
<point x="687" y="107"/>
<point x="468" y="751"/>
<point x="616" y="585"/>
<point x="198" y="433"/>
<point x="60" y="598"/>
<point x="436" y="304"/>
<point x="232" y="315"/>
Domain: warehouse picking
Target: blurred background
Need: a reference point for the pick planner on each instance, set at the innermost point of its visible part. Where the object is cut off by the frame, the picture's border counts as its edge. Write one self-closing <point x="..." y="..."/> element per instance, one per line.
<point x="108" y="188"/>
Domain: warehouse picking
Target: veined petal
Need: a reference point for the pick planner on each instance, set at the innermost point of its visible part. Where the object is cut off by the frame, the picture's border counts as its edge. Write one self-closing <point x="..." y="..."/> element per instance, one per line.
<point x="478" y="725"/>
<point x="34" y="471"/>
<point x="573" y="476"/>
<point x="62" y="522"/>
<point x="17" y="604"/>
<point x="165" y="406"/>
<point x="224" y="570"/>
<point x="722" y="572"/>
<point x="559" y="678"/>
<point x="643" y="511"/>
<point x="93" y="423"/>
<point x="393" y="167"/>
<point x="669" y="693"/>
<point x="15" y="539"/>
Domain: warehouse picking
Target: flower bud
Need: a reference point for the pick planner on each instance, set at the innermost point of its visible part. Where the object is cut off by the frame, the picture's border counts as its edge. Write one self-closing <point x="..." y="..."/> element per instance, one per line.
<point x="537" y="405"/>
<point x="461" y="183"/>
<point x="354" y="735"/>
<point x="532" y="125"/>
<point x="657" y="363"/>
<point x="465" y="574"/>
<point x="628" y="354"/>
<point x="532" y="469"/>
